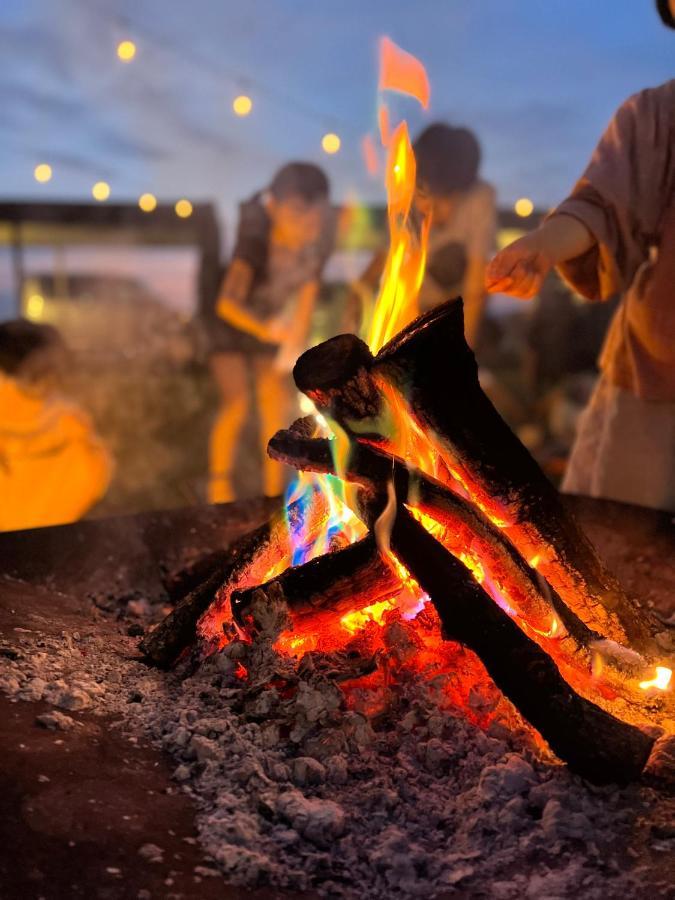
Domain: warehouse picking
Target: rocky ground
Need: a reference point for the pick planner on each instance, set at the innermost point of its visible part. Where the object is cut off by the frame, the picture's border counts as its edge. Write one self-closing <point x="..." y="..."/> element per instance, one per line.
<point x="319" y="775"/>
<point x="299" y="788"/>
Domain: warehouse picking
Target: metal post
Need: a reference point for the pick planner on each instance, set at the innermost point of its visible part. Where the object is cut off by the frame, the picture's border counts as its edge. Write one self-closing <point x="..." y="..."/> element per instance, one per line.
<point x="18" y="267"/>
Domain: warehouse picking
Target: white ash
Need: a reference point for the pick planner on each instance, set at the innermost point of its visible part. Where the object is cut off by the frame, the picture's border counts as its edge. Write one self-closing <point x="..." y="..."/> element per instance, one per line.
<point x="297" y="791"/>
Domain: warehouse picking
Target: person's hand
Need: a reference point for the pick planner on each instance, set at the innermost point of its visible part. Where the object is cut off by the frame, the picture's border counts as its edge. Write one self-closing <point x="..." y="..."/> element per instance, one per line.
<point x="519" y="269"/>
<point x="276" y="330"/>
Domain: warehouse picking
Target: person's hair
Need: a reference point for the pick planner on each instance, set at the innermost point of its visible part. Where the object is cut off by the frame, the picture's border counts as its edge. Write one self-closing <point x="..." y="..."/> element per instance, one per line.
<point x="300" y="179"/>
<point x="663" y="9"/>
<point x="31" y="351"/>
<point x="447" y="158"/>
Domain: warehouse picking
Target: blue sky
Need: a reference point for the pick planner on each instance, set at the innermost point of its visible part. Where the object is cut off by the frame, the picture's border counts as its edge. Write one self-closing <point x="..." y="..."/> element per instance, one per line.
<point x="536" y="79"/>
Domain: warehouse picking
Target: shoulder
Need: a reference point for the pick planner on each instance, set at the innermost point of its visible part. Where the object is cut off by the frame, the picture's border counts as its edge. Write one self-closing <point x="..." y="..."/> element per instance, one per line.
<point x="253" y="217"/>
<point x="481" y="196"/>
<point x="653" y="104"/>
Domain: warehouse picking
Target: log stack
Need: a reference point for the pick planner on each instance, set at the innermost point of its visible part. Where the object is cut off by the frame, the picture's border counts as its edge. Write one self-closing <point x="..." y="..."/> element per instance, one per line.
<point x="451" y="496"/>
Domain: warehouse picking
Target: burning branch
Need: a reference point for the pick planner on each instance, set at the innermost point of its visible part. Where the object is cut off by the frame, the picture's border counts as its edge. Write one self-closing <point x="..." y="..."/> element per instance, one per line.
<point x="420" y="398"/>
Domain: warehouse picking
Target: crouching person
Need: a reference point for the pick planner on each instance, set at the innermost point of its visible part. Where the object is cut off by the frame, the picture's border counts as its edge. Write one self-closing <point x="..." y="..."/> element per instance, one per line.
<point x="53" y="466"/>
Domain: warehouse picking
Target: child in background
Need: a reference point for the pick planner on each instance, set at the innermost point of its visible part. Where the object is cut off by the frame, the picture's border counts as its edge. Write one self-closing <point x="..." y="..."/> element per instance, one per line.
<point x="53" y="467"/>
<point x="263" y="314"/>
<point x="616" y="234"/>
<point x="463" y="222"/>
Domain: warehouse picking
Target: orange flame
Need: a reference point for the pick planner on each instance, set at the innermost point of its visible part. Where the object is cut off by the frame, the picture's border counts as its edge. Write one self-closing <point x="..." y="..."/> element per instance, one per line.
<point x="370" y="156"/>
<point x="402" y="72"/>
<point x="396" y="303"/>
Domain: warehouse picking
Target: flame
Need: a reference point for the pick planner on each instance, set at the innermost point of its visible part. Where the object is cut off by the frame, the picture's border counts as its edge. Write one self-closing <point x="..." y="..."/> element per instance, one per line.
<point x="357" y="620"/>
<point x="396" y="303"/>
<point x="339" y="526"/>
<point x="370" y="156"/>
<point x="661" y="680"/>
<point x="402" y="72"/>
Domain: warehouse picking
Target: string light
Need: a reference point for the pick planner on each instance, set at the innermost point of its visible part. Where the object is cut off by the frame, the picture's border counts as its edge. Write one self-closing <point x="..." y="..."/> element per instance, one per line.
<point x="242" y="105"/>
<point x="42" y="173"/>
<point x="101" y="191"/>
<point x="524" y="207"/>
<point x="147" y="202"/>
<point x="126" y="50"/>
<point x="183" y="208"/>
<point x="330" y="143"/>
<point x="34" y="306"/>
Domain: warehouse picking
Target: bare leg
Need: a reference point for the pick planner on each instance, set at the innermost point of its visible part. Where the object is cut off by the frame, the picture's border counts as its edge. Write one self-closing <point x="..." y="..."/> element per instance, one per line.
<point x="274" y="401"/>
<point x="230" y="373"/>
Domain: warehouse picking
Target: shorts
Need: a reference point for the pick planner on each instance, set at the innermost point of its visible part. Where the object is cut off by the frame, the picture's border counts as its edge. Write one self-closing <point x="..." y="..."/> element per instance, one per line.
<point x="221" y="337"/>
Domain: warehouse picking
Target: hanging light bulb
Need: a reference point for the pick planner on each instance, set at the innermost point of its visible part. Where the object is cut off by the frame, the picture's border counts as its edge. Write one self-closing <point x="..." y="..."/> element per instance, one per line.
<point x="330" y="143"/>
<point x="42" y="173"/>
<point x="183" y="208"/>
<point x="524" y="207"/>
<point x="126" y="50"/>
<point x="242" y="105"/>
<point x="100" y="191"/>
<point x="147" y="202"/>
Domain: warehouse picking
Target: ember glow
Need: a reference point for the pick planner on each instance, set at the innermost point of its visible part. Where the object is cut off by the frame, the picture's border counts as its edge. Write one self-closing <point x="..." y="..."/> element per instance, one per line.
<point x="661" y="680"/>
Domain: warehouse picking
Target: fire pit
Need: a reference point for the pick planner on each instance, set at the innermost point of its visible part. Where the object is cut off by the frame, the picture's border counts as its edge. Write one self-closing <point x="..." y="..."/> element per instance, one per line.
<point x="306" y="773"/>
<point x="418" y="677"/>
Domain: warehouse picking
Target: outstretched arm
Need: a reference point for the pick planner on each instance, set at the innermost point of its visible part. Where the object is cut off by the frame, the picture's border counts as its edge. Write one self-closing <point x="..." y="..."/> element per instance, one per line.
<point x="520" y="268"/>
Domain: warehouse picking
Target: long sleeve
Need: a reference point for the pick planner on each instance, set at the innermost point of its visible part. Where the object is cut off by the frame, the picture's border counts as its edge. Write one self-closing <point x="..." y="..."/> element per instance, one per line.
<point x="622" y="196"/>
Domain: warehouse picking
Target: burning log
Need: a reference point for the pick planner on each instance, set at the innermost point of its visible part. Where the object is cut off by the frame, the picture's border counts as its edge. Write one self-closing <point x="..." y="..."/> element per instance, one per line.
<point x="593" y="743"/>
<point x="178" y="631"/>
<point x="334" y="583"/>
<point x="471" y="533"/>
<point x="481" y="546"/>
<point x="422" y="389"/>
<point x="251" y="560"/>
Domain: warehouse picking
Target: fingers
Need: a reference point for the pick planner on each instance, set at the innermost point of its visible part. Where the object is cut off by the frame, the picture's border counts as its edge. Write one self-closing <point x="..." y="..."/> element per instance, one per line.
<point x="513" y="274"/>
<point x="498" y="271"/>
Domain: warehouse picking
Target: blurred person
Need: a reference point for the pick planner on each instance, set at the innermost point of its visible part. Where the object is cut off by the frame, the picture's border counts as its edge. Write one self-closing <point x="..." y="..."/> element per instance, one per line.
<point x="463" y="222"/>
<point x="53" y="466"/>
<point x="615" y="233"/>
<point x="263" y="314"/>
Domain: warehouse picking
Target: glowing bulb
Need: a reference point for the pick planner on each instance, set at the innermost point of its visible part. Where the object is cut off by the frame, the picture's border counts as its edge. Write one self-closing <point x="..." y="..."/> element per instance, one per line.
<point x="330" y="143"/>
<point x="242" y="105"/>
<point x="35" y="306"/>
<point x="101" y="191"/>
<point x="661" y="680"/>
<point x="126" y="50"/>
<point x="183" y="208"/>
<point x="524" y="207"/>
<point x="147" y="202"/>
<point x="42" y="173"/>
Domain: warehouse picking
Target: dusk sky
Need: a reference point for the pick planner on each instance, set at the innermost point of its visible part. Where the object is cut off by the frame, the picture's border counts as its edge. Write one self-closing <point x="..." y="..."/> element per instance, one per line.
<point x="536" y="79"/>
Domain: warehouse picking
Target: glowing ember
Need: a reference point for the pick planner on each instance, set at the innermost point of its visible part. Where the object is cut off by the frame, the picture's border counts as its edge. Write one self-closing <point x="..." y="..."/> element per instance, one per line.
<point x="661" y="680"/>
<point x="356" y="621"/>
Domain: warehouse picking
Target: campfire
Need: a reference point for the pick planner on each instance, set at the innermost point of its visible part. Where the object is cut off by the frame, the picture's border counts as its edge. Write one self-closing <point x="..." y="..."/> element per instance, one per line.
<point x="417" y="508"/>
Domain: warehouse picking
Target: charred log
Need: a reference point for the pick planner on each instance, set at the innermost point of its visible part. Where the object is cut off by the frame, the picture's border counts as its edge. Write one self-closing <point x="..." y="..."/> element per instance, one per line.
<point x="593" y="743"/>
<point x="178" y="584"/>
<point x="165" y="643"/>
<point x="334" y="583"/>
<point x="434" y="372"/>
<point x="372" y="469"/>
